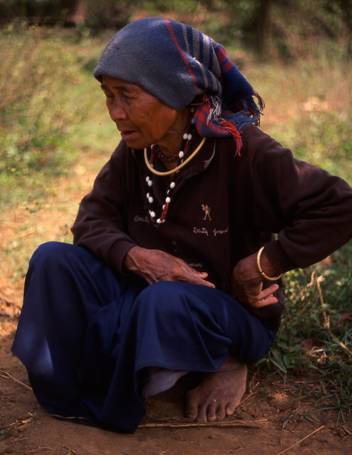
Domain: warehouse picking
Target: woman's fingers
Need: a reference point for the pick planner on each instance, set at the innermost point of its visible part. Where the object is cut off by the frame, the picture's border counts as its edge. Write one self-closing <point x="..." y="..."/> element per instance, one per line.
<point x="268" y="291"/>
<point x="202" y="282"/>
<point x="191" y="275"/>
<point x="156" y="265"/>
<point x="247" y="283"/>
<point x="266" y="301"/>
<point x="254" y="295"/>
<point x="252" y="289"/>
<point x="266" y="297"/>
<point x="198" y="278"/>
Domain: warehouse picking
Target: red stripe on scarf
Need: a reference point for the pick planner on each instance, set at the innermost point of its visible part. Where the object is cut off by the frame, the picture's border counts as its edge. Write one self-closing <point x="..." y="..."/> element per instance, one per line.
<point x="225" y="63"/>
<point x="182" y="52"/>
<point x="231" y="128"/>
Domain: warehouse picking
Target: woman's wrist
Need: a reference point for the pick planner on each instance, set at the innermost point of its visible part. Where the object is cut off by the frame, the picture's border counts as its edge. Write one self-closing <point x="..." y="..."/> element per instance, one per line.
<point x="131" y="258"/>
<point x="266" y="268"/>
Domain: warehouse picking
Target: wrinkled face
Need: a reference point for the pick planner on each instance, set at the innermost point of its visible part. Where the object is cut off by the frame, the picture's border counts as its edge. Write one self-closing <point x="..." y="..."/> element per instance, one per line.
<point x="140" y="117"/>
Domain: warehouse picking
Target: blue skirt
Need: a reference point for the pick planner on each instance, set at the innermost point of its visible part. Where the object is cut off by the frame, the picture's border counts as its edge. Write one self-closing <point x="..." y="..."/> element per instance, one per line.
<point x="88" y="336"/>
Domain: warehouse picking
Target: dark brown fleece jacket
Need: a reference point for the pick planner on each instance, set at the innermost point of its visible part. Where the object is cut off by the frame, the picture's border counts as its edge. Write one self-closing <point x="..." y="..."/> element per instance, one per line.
<point x="223" y="209"/>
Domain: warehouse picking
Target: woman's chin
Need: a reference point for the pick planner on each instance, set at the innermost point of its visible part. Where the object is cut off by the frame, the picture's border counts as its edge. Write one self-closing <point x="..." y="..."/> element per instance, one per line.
<point x="134" y="140"/>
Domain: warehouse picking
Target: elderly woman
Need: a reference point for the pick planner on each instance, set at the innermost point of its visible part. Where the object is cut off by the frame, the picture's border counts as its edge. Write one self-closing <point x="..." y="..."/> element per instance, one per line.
<point x="174" y="268"/>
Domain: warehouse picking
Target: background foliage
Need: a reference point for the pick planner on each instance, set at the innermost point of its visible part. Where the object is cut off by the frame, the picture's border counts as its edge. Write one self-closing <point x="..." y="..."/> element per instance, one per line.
<point x="283" y="27"/>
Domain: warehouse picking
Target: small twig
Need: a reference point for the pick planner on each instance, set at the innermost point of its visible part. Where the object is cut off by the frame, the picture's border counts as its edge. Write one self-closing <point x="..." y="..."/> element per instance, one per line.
<point x="35" y="451"/>
<point x="19" y="422"/>
<point x="6" y="427"/>
<point x="7" y="375"/>
<point x="341" y="344"/>
<point x="301" y="440"/>
<point x="249" y="396"/>
<point x="228" y="424"/>
<point x="70" y="451"/>
<point x="326" y="318"/>
<point x="25" y="234"/>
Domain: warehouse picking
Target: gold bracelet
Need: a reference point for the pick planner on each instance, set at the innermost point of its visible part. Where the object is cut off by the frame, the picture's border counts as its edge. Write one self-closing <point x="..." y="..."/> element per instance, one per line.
<point x="263" y="274"/>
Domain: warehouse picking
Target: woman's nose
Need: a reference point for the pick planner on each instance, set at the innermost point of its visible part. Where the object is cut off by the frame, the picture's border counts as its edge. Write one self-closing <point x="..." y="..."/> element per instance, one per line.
<point x="116" y="111"/>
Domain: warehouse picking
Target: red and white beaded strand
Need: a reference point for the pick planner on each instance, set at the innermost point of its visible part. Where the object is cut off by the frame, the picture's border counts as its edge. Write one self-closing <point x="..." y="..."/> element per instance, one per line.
<point x="150" y="199"/>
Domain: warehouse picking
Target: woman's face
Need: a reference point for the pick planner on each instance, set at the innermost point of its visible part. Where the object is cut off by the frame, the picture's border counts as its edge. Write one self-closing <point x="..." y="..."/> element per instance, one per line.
<point x="140" y="117"/>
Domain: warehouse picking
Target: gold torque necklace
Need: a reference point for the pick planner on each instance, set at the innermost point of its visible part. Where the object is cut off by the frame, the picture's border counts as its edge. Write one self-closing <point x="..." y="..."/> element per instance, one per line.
<point x="167" y="200"/>
<point x="178" y="167"/>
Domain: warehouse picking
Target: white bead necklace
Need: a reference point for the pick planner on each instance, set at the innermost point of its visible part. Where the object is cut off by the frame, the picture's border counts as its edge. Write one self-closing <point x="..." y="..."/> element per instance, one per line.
<point x="172" y="185"/>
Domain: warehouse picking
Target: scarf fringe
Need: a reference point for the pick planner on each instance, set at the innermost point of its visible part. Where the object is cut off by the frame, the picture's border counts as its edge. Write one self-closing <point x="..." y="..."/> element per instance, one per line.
<point x="231" y="128"/>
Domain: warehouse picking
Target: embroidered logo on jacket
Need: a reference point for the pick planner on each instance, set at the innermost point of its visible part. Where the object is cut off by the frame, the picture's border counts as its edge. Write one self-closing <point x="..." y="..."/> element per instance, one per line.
<point x="206" y="212"/>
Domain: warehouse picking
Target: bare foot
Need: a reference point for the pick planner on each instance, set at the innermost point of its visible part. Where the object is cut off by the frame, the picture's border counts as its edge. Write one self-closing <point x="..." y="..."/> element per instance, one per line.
<point x="219" y="393"/>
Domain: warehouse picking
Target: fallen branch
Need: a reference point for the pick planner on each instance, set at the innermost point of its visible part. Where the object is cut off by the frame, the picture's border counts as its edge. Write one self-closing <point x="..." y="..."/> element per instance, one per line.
<point x="18" y="423"/>
<point x="7" y="375"/>
<point x="301" y="440"/>
<point x="224" y="424"/>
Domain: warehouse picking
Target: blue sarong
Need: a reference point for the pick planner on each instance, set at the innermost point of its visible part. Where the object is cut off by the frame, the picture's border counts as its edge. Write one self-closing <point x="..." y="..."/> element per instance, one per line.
<point x="88" y="337"/>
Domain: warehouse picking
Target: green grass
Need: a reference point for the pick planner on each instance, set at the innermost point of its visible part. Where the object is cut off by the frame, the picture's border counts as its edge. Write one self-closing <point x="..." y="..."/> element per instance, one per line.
<point x="324" y="139"/>
<point x="50" y="111"/>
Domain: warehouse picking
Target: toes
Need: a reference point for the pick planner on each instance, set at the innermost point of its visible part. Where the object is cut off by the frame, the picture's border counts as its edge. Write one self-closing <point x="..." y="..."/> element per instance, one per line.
<point x="191" y="413"/>
<point x="202" y="413"/>
<point x="211" y="411"/>
<point x="231" y="408"/>
<point x="191" y="409"/>
<point x="220" y="412"/>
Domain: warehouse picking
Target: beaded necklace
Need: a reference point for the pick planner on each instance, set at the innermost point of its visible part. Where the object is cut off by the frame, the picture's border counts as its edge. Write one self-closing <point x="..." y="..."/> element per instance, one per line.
<point x="171" y="173"/>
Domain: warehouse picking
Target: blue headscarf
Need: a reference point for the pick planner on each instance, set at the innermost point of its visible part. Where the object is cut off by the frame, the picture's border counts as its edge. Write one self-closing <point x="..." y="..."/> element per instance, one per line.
<point x="178" y="64"/>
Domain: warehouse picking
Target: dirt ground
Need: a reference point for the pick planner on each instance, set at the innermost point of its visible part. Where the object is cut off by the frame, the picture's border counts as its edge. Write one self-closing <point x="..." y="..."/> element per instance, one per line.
<point x="273" y="417"/>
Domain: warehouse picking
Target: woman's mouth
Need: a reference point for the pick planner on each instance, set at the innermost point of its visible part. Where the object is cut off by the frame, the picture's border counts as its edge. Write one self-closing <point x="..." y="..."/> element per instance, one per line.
<point x="127" y="135"/>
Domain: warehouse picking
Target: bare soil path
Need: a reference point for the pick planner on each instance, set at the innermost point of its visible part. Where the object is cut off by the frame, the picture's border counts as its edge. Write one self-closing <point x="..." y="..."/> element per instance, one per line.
<point x="276" y="414"/>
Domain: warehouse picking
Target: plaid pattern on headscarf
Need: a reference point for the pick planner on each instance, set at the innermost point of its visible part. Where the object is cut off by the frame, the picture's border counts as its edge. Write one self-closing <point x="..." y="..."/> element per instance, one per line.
<point x="179" y="64"/>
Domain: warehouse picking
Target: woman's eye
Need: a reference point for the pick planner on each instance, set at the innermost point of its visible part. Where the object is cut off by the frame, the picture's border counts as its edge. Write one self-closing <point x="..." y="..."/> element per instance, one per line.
<point x="126" y="98"/>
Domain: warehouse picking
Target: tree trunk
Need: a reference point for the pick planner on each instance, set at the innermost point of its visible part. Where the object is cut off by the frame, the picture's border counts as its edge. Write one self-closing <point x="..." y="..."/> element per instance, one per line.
<point x="76" y="12"/>
<point x="262" y="20"/>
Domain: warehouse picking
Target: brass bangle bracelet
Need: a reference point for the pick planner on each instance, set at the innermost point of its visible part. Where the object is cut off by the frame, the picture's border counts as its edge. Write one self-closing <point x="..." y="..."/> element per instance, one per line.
<point x="263" y="274"/>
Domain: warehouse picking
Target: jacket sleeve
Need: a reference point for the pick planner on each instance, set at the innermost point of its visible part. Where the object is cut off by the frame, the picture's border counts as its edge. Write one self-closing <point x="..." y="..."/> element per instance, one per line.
<point x="309" y="209"/>
<point x="101" y="220"/>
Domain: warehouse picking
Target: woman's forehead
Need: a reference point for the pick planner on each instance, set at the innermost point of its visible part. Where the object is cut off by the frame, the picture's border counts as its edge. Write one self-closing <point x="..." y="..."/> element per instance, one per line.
<point x="118" y="84"/>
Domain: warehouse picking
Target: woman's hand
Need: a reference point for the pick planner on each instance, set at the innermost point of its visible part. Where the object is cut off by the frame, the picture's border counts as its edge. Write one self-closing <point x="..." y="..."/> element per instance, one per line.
<point x="156" y="265"/>
<point x="247" y="282"/>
